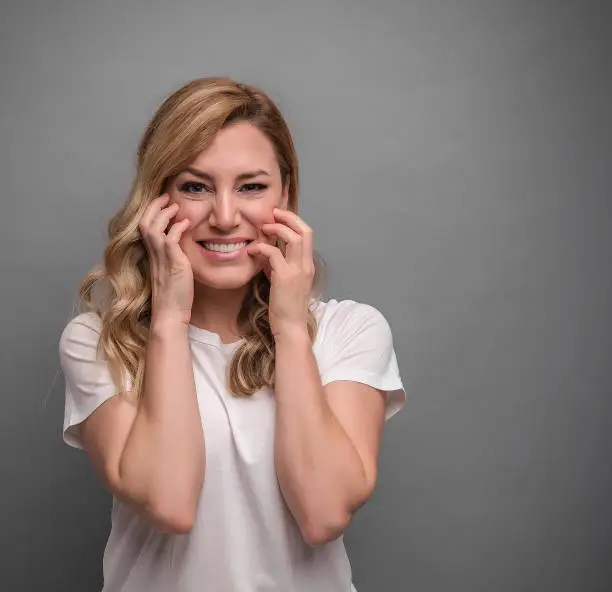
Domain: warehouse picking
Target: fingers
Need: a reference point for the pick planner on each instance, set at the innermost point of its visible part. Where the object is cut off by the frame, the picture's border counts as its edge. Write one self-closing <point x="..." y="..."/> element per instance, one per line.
<point x="293" y="230"/>
<point x="153" y="225"/>
<point x="155" y="220"/>
<point x="174" y="236"/>
<point x="293" y="240"/>
<point x="153" y="209"/>
<point x="161" y="220"/>
<point x="272" y="253"/>
<point x="176" y="230"/>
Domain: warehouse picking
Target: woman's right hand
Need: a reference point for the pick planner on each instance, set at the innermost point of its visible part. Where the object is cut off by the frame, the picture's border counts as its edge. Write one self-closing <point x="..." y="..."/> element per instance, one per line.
<point x="170" y="269"/>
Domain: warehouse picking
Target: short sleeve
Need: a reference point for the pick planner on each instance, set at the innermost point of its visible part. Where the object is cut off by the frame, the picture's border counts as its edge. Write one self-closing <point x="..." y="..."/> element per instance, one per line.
<point x="87" y="376"/>
<point x="356" y="343"/>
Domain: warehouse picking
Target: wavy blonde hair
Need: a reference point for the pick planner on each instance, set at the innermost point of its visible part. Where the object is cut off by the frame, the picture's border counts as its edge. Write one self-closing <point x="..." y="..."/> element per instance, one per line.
<point x="184" y="125"/>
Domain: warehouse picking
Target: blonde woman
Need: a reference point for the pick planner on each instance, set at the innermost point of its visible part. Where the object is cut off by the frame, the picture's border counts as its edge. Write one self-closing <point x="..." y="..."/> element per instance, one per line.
<point x="233" y="414"/>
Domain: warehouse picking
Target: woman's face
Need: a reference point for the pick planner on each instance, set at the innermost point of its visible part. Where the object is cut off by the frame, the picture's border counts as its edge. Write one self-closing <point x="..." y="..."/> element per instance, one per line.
<point x="228" y="191"/>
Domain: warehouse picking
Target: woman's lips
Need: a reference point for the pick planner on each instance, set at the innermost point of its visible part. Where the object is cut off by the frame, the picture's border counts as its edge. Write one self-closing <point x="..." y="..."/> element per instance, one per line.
<point x="224" y="255"/>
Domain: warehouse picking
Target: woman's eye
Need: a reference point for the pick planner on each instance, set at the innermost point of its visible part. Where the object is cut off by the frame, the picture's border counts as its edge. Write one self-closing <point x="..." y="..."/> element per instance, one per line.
<point x="193" y="187"/>
<point x="254" y="187"/>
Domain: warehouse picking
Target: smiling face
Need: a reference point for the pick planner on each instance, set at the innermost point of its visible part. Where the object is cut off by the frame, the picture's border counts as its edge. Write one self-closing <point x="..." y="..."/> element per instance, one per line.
<point x="228" y="191"/>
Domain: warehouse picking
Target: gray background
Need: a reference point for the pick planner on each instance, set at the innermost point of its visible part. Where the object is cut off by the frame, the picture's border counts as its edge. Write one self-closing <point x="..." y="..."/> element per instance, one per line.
<point x="455" y="159"/>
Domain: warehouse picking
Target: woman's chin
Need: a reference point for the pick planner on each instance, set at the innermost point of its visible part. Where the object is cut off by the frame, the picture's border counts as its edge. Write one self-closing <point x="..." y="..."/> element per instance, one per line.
<point x="226" y="279"/>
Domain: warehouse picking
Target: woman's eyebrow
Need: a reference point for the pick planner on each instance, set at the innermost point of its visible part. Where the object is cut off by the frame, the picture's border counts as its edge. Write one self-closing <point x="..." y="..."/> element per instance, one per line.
<point x="240" y="177"/>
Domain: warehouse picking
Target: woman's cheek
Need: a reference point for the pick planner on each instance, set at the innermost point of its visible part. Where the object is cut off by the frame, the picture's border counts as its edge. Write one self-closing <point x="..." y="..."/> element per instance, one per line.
<point x="194" y="211"/>
<point x="266" y="211"/>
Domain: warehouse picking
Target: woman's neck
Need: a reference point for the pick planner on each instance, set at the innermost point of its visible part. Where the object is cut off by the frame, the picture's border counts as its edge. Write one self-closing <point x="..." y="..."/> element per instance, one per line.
<point x="217" y="310"/>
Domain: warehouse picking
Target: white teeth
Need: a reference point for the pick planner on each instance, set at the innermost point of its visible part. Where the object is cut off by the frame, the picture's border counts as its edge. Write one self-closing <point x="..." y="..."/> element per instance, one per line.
<point x="223" y="247"/>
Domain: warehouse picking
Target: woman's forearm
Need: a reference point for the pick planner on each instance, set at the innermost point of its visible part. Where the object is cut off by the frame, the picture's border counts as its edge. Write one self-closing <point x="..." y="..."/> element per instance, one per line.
<point x="163" y="461"/>
<point x="318" y="468"/>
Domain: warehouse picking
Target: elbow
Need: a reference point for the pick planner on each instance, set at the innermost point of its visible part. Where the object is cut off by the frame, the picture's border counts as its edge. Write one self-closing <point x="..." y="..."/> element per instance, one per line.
<point x="317" y="533"/>
<point x="178" y="525"/>
<point x="165" y="517"/>
<point x="170" y="512"/>
<point x="172" y="519"/>
<point x="175" y="513"/>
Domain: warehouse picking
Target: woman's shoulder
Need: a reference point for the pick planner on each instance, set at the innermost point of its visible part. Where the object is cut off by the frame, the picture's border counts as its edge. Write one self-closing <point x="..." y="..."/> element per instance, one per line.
<point x="85" y="326"/>
<point x="325" y="309"/>
<point x="335" y="315"/>
<point x="354" y="342"/>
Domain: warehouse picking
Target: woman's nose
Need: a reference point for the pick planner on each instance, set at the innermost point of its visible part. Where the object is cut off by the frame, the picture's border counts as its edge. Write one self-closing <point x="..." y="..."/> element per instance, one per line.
<point x="224" y="213"/>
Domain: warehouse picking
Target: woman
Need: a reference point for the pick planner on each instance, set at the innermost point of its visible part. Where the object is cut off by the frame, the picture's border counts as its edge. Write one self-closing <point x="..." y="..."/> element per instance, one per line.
<point x="234" y="416"/>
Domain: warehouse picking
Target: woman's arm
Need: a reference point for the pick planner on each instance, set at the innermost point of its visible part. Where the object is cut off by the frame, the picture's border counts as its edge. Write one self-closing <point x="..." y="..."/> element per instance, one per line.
<point x="327" y="441"/>
<point x="159" y="463"/>
<point x="154" y="458"/>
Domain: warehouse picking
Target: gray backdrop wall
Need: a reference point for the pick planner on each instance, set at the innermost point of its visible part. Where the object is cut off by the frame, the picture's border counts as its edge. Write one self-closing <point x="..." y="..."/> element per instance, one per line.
<point x="455" y="163"/>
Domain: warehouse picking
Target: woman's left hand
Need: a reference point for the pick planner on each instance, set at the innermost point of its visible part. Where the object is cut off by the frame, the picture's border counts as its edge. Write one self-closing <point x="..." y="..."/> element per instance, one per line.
<point x="291" y="277"/>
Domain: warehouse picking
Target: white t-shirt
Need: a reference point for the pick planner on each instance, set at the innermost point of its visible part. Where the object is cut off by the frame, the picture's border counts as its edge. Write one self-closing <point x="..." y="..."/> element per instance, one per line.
<point x="244" y="538"/>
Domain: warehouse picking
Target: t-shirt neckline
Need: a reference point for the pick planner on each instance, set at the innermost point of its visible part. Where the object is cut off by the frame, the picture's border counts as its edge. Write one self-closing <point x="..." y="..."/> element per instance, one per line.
<point x="210" y="338"/>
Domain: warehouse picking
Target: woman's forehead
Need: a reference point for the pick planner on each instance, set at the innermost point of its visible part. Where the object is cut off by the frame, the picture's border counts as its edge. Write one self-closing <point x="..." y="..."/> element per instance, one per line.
<point x="237" y="149"/>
